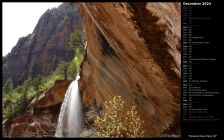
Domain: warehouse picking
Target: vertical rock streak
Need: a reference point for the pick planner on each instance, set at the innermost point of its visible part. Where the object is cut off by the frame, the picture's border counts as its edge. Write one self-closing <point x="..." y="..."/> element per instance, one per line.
<point x="145" y="70"/>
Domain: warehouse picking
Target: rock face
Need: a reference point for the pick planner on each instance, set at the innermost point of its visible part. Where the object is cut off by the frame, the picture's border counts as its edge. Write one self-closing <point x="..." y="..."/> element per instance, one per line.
<point x="53" y="96"/>
<point x="43" y="121"/>
<point x="134" y="51"/>
<point x="41" y="51"/>
<point x="42" y="125"/>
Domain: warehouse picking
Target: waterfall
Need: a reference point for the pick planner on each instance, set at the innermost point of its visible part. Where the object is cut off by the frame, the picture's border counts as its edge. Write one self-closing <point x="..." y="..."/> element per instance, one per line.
<point x="70" y="119"/>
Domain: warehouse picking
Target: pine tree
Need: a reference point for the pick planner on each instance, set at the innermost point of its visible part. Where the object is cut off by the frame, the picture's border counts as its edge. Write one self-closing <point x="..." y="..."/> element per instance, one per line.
<point x="37" y="83"/>
<point x="76" y="39"/>
<point x="7" y="96"/>
<point x="8" y="87"/>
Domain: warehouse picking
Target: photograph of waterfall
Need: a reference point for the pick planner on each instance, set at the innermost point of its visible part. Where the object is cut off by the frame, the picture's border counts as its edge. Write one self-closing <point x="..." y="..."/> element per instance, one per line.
<point x="70" y="119"/>
<point x="91" y="70"/>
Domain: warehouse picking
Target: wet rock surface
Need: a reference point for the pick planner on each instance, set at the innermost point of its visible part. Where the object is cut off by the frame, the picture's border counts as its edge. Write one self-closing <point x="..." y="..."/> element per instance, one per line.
<point x="134" y="51"/>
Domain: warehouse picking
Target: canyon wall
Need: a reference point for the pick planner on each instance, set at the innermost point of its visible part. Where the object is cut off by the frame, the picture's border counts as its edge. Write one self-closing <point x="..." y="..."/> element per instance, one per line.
<point x="40" y="52"/>
<point x="133" y="50"/>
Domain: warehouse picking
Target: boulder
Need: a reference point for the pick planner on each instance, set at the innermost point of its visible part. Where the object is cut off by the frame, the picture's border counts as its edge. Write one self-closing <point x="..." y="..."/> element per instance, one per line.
<point x="33" y="126"/>
<point x="51" y="97"/>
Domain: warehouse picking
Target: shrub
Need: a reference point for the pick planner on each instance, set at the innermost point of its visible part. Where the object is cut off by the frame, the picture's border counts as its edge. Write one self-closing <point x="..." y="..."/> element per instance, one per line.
<point x="119" y="120"/>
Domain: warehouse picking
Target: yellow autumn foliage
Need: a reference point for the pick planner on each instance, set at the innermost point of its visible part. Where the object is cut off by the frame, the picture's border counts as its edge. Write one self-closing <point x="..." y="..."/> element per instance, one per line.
<point x="119" y="120"/>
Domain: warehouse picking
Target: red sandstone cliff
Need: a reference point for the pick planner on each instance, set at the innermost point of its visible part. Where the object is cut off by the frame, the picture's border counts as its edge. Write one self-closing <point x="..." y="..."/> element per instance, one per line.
<point x="134" y="51"/>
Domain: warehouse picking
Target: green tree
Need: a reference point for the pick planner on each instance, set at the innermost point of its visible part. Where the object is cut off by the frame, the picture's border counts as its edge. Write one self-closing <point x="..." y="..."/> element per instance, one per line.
<point x="7" y="97"/>
<point x="76" y="39"/>
<point x="24" y="96"/>
<point x="8" y="87"/>
<point x="27" y="84"/>
<point x="62" y="69"/>
<point x="72" y="70"/>
<point x="37" y="84"/>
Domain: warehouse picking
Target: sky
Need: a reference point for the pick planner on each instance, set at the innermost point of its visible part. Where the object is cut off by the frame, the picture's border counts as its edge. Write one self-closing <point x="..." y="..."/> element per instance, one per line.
<point x="20" y="19"/>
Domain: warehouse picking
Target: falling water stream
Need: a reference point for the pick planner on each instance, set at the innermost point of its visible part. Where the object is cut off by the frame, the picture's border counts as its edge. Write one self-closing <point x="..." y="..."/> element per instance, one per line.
<point x="70" y="119"/>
